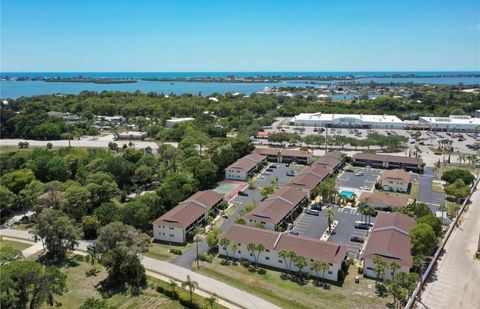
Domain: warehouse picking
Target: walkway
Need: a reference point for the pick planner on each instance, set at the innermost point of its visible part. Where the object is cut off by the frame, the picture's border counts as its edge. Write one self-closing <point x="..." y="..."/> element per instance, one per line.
<point x="226" y="292"/>
<point x="455" y="282"/>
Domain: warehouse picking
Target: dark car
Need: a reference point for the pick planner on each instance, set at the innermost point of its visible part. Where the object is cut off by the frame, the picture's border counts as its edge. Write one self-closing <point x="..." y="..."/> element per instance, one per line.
<point x="291" y="173"/>
<point x="317" y="207"/>
<point x="269" y="169"/>
<point x="273" y="166"/>
<point x="294" y="233"/>
<point x="362" y="226"/>
<point x="357" y="239"/>
<point x="242" y="193"/>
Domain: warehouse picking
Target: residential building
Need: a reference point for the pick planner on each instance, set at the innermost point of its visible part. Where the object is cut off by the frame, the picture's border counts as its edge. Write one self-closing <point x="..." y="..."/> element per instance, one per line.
<point x="310" y="248"/>
<point x="461" y="123"/>
<point x="348" y="121"/>
<point x="332" y="161"/>
<point x="279" y="209"/>
<point x="244" y="167"/>
<point x="131" y="135"/>
<point x="381" y="200"/>
<point x="396" y="180"/>
<point x="310" y="178"/>
<point x="283" y="155"/>
<point x="389" y="240"/>
<point x="477" y="113"/>
<point x="174" y="225"/>
<point x="388" y="162"/>
<point x="173" y="121"/>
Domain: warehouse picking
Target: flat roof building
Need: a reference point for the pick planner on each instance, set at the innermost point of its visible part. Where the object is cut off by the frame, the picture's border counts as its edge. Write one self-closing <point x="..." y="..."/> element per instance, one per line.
<point x="173" y="121"/>
<point x="452" y="123"/>
<point x="348" y="121"/>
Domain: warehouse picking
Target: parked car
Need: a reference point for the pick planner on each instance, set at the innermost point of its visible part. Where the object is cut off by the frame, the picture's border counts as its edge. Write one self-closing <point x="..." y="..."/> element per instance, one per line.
<point x="269" y="169"/>
<point x="291" y="173"/>
<point x="273" y="166"/>
<point x="317" y="207"/>
<point x="266" y="173"/>
<point x="362" y="225"/>
<point x="313" y="212"/>
<point x="357" y="239"/>
<point x="359" y="174"/>
<point x="294" y="233"/>
<point x="242" y="193"/>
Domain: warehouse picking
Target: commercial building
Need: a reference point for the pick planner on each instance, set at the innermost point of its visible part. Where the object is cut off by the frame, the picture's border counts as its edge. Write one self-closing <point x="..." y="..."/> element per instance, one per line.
<point x="131" y="135"/>
<point x="173" y="121"/>
<point x="310" y="248"/>
<point x="244" y="167"/>
<point x="396" y="180"/>
<point x="348" y="121"/>
<point x="279" y="209"/>
<point x="286" y="155"/>
<point x="388" y="162"/>
<point x="460" y="123"/>
<point x="381" y="200"/>
<point x="174" y="225"/>
<point x="389" y="240"/>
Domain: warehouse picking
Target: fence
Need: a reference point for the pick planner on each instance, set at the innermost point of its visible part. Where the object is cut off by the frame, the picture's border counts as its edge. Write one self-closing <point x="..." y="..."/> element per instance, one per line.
<point x="428" y="272"/>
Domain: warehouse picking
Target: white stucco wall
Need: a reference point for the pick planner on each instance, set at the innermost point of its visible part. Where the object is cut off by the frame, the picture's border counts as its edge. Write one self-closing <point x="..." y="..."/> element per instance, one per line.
<point x="165" y="233"/>
<point x="395" y="185"/>
<point x="235" y="174"/>
<point x="368" y="268"/>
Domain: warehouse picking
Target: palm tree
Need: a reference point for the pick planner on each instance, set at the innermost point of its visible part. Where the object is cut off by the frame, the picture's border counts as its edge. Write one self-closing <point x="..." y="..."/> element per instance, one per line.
<point x="316" y="267"/>
<point x="225" y="243"/>
<point x="329" y="215"/>
<point x="369" y="211"/>
<point x="210" y="301"/>
<point x="361" y="209"/>
<point x="173" y="284"/>
<point x="93" y="257"/>
<point x="191" y="286"/>
<point x="301" y="263"/>
<point x="378" y="267"/>
<point x="324" y="267"/>
<point x="234" y="248"/>
<point x="256" y="250"/>
<point x="394" y="267"/>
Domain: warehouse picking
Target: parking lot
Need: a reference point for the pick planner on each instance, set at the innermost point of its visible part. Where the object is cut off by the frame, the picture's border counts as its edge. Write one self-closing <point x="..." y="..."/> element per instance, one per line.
<point x="315" y="226"/>
<point x="361" y="179"/>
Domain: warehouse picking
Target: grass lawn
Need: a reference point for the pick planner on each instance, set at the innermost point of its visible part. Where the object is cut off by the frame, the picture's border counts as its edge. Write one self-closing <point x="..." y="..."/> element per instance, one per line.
<point x="437" y="187"/>
<point x="414" y="190"/>
<point x="161" y="251"/>
<point x="82" y="286"/>
<point x="14" y="244"/>
<point x="288" y="294"/>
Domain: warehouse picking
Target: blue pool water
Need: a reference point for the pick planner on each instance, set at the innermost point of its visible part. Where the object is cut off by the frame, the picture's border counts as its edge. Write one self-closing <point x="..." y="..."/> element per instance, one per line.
<point x="347" y="194"/>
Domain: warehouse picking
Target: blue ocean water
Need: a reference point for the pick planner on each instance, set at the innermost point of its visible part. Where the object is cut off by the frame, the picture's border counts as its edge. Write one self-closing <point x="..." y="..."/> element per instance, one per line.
<point x="15" y="89"/>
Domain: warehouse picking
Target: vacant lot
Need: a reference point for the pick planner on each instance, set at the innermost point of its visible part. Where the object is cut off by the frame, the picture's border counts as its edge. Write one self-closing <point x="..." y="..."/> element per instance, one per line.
<point x="288" y="294"/>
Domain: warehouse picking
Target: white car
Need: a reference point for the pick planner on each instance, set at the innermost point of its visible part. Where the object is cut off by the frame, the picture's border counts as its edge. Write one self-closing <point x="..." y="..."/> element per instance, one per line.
<point x="359" y="174"/>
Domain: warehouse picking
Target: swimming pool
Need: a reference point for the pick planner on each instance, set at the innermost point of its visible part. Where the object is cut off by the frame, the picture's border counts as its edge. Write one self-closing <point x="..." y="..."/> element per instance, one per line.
<point x="347" y="194"/>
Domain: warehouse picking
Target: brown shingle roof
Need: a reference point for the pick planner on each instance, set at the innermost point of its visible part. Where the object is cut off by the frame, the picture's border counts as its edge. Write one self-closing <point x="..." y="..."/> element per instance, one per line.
<point x="309" y="248"/>
<point x="207" y="198"/>
<point x="396" y="174"/>
<point x="247" y="162"/>
<point x="243" y="234"/>
<point x="384" y="199"/>
<point x="268" y="151"/>
<point x="181" y="216"/>
<point x="310" y="177"/>
<point x="387" y="158"/>
<point x="389" y="238"/>
<point x="276" y="207"/>
<point x="296" y="153"/>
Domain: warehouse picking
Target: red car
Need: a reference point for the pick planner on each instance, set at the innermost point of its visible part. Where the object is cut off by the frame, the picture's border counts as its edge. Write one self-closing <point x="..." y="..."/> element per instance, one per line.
<point x="357" y="239"/>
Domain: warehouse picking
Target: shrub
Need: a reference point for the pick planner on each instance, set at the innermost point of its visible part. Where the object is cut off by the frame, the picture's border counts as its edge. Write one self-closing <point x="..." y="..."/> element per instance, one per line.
<point x="205" y="257"/>
<point x="452" y="175"/>
<point x="175" y="251"/>
<point x="245" y="262"/>
<point x="261" y="271"/>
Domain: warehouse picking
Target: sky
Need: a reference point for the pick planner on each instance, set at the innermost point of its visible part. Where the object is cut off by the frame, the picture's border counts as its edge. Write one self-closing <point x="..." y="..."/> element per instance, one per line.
<point x="239" y="35"/>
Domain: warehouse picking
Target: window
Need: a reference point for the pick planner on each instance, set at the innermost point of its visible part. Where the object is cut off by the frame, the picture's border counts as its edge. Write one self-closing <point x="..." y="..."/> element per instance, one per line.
<point x="224" y="248"/>
<point x="171" y="235"/>
<point x="267" y="258"/>
<point x="280" y="261"/>
<point x="239" y="252"/>
<point x="171" y="228"/>
<point x="250" y="254"/>
<point x="330" y="273"/>
<point x="266" y="250"/>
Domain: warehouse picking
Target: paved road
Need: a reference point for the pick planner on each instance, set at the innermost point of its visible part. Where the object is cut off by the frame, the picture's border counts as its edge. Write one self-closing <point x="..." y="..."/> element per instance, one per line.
<point x="426" y="193"/>
<point x="231" y="294"/>
<point x="83" y="143"/>
<point x="455" y="284"/>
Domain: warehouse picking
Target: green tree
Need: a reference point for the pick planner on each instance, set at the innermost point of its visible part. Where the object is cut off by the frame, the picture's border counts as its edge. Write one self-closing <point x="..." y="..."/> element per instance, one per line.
<point x="76" y="202"/>
<point x="173" y="285"/>
<point x="102" y="188"/>
<point x="423" y="239"/>
<point x="27" y="283"/>
<point x="57" y="232"/>
<point x="234" y="247"/>
<point x="212" y="238"/>
<point x="211" y="300"/>
<point x="7" y="198"/>
<point x="95" y="303"/>
<point x="224" y="242"/>
<point x="301" y="263"/>
<point x="119" y="246"/>
<point x="143" y="175"/>
<point x="256" y="250"/>
<point x="17" y="180"/>
<point x="452" y="175"/>
<point x="434" y="222"/>
<point x="48" y="168"/>
<point x="107" y="213"/>
<point x="90" y="226"/>
<point x="379" y="266"/>
<point x="205" y="173"/>
<point x="329" y="215"/>
<point x="191" y="285"/>
<point x="137" y="214"/>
